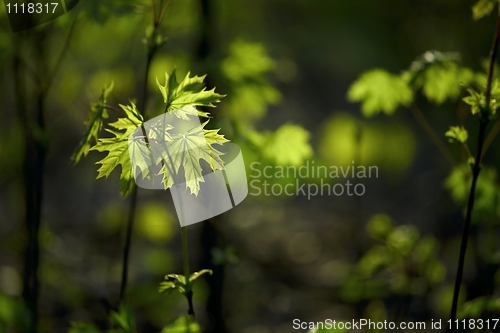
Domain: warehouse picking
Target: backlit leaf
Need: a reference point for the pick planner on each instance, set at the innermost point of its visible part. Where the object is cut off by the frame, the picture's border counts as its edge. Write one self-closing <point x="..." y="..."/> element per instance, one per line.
<point x="117" y="148"/>
<point x="442" y="81"/>
<point x="476" y="307"/>
<point x="196" y="275"/>
<point x="185" y="150"/>
<point x="380" y="91"/>
<point x="487" y="189"/>
<point x="457" y="134"/>
<point x="94" y="124"/>
<point x="182" y="325"/>
<point x="379" y="226"/>
<point x="123" y="321"/>
<point x="190" y="91"/>
<point x="289" y="145"/>
<point x="438" y="75"/>
<point x="173" y="282"/>
<point x="483" y="8"/>
<point x="246" y="68"/>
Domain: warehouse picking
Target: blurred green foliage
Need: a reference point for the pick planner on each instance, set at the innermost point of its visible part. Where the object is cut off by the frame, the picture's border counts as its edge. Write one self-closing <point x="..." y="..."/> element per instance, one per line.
<point x="285" y="67"/>
<point x="14" y="316"/>
<point x="487" y="194"/>
<point x="380" y="91"/>
<point x="390" y="146"/>
<point x="404" y="263"/>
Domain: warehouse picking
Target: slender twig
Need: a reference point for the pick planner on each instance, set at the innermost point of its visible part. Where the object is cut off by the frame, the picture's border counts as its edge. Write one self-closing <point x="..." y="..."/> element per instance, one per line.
<point x="483" y="123"/>
<point x="163" y="9"/>
<point x="419" y="116"/>
<point x="189" y="285"/>
<point x="62" y="55"/>
<point x="116" y="110"/>
<point x="133" y="200"/>
<point x="153" y="3"/>
<point x="467" y="150"/>
<point x="128" y="241"/>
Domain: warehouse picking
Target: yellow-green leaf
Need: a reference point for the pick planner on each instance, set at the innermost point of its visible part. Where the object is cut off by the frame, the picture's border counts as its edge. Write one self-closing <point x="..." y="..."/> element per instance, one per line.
<point x="190" y="91"/>
<point x="94" y="124"/>
<point x="380" y="91"/>
<point x="483" y="8"/>
<point x="117" y="148"/>
<point x="457" y="134"/>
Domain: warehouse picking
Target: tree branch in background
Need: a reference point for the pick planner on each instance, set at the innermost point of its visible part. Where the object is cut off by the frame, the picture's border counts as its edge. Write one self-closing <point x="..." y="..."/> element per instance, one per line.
<point x="476" y="168"/>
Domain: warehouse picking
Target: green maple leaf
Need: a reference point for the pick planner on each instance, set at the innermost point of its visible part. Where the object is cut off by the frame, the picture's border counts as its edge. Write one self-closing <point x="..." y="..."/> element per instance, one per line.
<point x="118" y="148"/>
<point x="457" y="134"/>
<point x="94" y="124"/>
<point x="185" y="150"/>
<point x="190" y="91"/>
<point x="483" y="8"/>
<point x="439" y="75"/>
<point x="289" y="145"/>
<point x="441" y="81"/>
<point x="380" y="91"/>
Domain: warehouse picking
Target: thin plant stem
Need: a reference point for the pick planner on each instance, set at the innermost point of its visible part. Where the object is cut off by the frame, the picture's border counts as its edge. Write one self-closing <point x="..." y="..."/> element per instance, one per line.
<point x="467" y="150"/>
<point x="62" y="55"/>
<point x="483" y="124"/>
<point x="33" y="168"/>
<point x="133" y="200"/>
<point x="119" y="112"/>
<point x="419" y="116"/>
<point x="185" y="259"/>
<point x="128" y="241"/>
<point x="468" y="218"/>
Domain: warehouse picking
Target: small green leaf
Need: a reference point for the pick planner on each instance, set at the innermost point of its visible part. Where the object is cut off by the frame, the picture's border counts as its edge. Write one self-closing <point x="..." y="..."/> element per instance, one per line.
<point x="487" y="189"/>
<point x="483" y="8"/>
<point x="196" y="275"/>
<point x="425" y="249"/>
<point x="438" y="75"/>
<point x="380" y="91"/>
<point x="457" y="134"/>
<point x="189" y="92"/>
<point x="380" y="226"/>
<point x="246" y="68"/>
<point x="166" y="286"/>
<point x="475" y="100"/>
<point x="123" y="321"/>
<point x="246" y="61"/>
<point x="476" y="307"/>
<point x="94" y="124"/>
<point x="435" y="271"/>
<point x="172" y="282"/>
<point x="374" y="259"/>
<point x="403" y="239"/>
<point x="289" y="145"/>
<point x="441" y="81"/>
<point x="182" y="325"/>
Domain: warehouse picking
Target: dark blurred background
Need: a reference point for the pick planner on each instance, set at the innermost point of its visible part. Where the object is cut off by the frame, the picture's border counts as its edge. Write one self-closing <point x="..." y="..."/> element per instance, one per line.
<point x="278" y="258"/>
